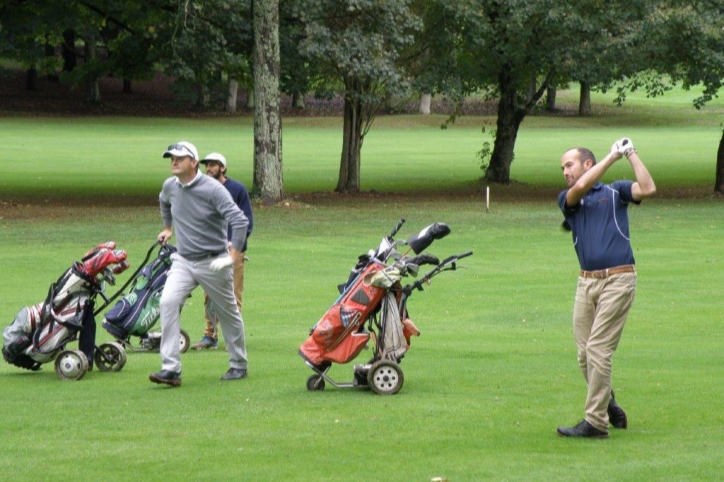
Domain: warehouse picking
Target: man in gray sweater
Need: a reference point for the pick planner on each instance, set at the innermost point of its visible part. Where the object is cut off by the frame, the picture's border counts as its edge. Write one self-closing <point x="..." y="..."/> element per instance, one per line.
<point x="198" y="210"/>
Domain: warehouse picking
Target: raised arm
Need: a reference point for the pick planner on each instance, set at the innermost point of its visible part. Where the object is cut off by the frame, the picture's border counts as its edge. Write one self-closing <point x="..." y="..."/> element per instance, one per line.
<point x="644" y="185"/>
<point x="591" y="175"/>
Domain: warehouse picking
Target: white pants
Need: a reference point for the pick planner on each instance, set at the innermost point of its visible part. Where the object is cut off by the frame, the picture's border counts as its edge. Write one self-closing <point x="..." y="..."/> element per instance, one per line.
<point x="183" y="277"/>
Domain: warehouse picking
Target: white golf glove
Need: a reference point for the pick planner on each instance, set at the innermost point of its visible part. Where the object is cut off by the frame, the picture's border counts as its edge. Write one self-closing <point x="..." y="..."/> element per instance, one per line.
<point x="220" y="263"/>
<point x="624" y="146"/>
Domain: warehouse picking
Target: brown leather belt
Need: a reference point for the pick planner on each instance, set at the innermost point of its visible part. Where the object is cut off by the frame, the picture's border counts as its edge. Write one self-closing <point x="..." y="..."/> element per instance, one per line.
<point x="605" y="273"/>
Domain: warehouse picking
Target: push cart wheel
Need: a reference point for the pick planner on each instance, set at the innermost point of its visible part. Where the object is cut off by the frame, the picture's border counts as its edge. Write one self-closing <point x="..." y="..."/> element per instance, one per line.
<point x="315" y="383"/>
<point x="385" y="377"/>
<point x="184" y="341"/>
<point x="71" y="365"/>
<point x="110" y="357"/>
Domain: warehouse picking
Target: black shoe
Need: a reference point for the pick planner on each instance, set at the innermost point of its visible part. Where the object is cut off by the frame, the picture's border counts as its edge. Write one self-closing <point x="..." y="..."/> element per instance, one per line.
<point x="166" y="377"/>
<point x="234" y="374"/>
<point x="583" y="429"/>
<point x="616" y="415"/>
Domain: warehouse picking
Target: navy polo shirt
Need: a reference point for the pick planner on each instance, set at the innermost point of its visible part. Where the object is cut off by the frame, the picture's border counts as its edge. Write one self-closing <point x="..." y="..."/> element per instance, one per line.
<point x="241" y="197"/>
<point x="599" y="225"/>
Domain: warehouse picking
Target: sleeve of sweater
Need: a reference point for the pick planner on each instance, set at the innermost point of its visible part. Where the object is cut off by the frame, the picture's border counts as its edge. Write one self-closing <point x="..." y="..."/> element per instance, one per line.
<point x="165" y="204"/>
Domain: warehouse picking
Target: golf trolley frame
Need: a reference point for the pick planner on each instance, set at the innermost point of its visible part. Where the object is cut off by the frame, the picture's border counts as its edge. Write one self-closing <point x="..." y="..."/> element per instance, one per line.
<point x="382" y="373"/>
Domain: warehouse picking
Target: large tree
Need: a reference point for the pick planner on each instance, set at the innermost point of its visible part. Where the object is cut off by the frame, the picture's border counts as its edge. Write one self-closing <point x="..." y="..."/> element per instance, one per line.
<point x="267" y="115"/>
<point x="514" y="50"/>
<point x="357" y="42"/>
<point x="686" y="42"/>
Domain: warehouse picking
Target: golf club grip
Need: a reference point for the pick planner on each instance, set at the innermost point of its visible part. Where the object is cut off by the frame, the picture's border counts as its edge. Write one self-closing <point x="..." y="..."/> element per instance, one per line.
<point x="465" y="254"/>
<point x="397" y="227"/>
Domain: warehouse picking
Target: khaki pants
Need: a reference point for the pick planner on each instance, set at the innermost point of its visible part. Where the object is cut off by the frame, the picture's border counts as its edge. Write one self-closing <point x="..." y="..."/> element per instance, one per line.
<point x="599" y="315"/>
<point x="212" y="319"/>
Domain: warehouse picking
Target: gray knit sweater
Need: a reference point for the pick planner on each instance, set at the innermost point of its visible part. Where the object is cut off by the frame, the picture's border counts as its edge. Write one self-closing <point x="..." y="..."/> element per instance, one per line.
<point x="199" y="213"/>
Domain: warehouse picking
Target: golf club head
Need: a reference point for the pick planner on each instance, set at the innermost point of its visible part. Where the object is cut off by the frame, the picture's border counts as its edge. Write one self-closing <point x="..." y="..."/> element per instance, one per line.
<point x="412" y="269"/>
<point x="422" y="259"/>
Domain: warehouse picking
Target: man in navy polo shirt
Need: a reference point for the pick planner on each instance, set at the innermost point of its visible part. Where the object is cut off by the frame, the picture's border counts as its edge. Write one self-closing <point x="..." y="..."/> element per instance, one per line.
<point x="216" y="168"/>
<point x="597" y="216"/>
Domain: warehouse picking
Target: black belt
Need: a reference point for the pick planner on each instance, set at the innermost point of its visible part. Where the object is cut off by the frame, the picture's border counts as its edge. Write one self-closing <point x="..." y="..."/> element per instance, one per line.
<point x="205" y="256"/>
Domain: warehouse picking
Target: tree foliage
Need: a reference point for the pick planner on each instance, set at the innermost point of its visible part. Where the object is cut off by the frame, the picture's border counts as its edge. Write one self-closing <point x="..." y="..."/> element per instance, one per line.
<point x="359" y="43"/>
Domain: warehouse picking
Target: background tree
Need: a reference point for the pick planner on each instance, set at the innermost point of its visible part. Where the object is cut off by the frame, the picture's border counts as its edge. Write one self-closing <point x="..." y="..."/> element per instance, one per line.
<point x="686" y="42"/>
<point x="513" y="51"/>
<point x="26" y="29"/>
<point x="267" y="115"/>
<point x="358" y="42"/>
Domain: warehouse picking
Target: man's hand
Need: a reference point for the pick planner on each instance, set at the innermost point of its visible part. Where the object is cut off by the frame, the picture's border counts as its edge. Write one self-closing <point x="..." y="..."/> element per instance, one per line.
<point x="220" y="263"/>
<point x="624" y="146"/>
<point x="165" y="235"/>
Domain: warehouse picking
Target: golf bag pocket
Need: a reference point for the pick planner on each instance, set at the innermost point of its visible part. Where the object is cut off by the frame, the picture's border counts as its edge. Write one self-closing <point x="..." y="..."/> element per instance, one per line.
<point x="339" y="336"/>
<point x="135" y="314"/>
<point x="17" y="335"/>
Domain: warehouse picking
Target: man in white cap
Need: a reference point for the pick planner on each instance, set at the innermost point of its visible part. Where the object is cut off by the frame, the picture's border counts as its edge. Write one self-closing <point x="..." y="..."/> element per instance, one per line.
<point x="216" y="168"/>
<point x="197" y="209"/>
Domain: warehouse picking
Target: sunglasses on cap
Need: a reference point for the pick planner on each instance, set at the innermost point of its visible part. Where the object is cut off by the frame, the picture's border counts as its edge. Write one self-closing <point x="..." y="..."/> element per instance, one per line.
<point x="178" y="147"/>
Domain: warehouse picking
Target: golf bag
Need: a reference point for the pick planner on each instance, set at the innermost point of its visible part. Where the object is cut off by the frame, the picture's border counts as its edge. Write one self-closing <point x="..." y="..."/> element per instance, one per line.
<point x="41" y="331"/>
<point x="373" y="305"/>
<point x="138" y="311"/>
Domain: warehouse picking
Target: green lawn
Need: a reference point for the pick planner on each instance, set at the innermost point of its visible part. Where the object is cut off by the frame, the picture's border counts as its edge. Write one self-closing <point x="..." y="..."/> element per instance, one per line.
<point x="494" y="372"/>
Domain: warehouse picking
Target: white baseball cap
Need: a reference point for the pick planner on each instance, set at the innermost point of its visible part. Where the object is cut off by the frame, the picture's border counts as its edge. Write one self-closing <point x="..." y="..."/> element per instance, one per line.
<point x="215" y="157"/>
<point x="182" y="149"/>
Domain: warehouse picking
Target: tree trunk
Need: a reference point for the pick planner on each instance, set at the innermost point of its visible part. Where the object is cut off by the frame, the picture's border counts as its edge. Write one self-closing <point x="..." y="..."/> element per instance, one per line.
<point x="31" y="79"/>
<point x="127" y="87"/>
<point x="425" y="101"/>
<point x="551" y="99"/>
<point x="204" y="96"/>
<point x="267" y="116"/>
<point x="298" y="100"/>
<point x="719" y="183"/>
<point x="68" y="51"/>
<point x="232" y="96"/>
<point x="584" y="102"/>
<point x="532" y="88"/>
<point x="508" y="123"/>
<point x="94" y="90"/>
<point x="349" y="166"/>
<point x="50" y="52"/>
<point x="249" y="99"/>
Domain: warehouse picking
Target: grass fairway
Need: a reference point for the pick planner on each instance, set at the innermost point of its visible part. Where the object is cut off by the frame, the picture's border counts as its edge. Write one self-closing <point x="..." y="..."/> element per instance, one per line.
<point x="494" y="372"/>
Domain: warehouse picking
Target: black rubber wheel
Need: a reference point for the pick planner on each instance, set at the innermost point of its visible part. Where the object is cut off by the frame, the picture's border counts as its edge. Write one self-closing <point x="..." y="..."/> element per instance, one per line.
<point x="385" y="377"/>
<point x="110" y="357"/>
<point x="315" y="383"/>
<point x="184" y="342"/>
<point x="71" y="365"/>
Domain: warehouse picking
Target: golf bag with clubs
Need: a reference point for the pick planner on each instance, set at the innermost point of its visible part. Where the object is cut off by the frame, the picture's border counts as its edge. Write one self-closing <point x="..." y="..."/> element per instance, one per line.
<point x="138" y="311"/>
<point x="39" y="333"/>
<point x="373" y="305"/>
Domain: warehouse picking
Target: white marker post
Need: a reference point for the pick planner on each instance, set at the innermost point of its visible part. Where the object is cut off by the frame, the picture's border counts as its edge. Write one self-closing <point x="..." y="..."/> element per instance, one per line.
<point x="487" y="199"/>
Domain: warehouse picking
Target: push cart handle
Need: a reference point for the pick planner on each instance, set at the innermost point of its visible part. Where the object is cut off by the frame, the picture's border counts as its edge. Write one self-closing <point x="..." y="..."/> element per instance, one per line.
<point x="108" y="301"/>
<point x="397" y="227"/>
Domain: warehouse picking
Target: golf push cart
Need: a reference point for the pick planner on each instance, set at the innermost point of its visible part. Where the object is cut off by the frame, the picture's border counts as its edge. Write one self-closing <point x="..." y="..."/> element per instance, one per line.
<point x="373" y="305"/>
